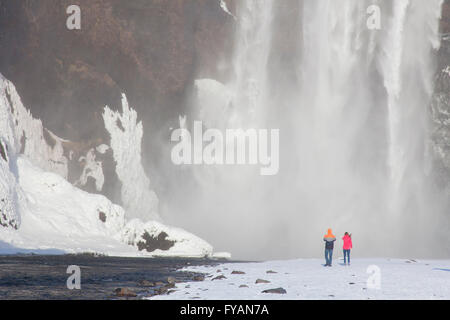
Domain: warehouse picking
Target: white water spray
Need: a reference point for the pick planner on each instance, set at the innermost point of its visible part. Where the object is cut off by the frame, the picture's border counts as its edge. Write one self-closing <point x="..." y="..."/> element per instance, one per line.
<point x="352" y="126"/>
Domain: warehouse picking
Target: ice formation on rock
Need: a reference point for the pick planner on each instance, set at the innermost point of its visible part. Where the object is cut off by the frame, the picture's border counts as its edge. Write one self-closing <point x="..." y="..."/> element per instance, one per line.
<point x="41" y="210"/>
<point x="126" y="137"/>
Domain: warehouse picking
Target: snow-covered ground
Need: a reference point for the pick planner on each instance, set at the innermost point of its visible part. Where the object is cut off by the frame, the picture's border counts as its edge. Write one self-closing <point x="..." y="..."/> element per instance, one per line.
<point x="41" y="212"/>
<point x="58" y="217"/>
<point x="309" y="279"/>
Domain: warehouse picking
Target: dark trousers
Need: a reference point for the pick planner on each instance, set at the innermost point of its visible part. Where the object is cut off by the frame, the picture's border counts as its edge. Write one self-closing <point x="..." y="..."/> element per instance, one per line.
<point x="328" y="256"/>
<point x="347" y="255"/>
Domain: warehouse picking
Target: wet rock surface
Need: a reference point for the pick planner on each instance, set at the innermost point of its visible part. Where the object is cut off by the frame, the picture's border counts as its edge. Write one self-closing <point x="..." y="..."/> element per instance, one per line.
<point x="45" y="277"/>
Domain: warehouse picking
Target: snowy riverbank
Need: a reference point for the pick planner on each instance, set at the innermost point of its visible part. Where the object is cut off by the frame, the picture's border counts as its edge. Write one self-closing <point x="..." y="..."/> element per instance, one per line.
<point x="309" y="279"/>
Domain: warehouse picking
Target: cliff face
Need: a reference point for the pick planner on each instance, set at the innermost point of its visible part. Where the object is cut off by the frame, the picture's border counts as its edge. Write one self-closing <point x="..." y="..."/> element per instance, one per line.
<point x="151" y="50"/>
<point x="147" y="49"/>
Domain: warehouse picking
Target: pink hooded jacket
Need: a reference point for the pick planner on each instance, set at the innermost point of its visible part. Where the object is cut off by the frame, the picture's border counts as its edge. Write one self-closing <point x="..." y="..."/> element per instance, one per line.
<point x="347" y="242"/>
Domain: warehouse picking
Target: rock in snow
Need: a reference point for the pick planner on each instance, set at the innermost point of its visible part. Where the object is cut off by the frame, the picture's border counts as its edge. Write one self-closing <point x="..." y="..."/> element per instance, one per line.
<point x="276" y="291"/>
<point x="41" y="210"/>
<point x="261" y="281"/>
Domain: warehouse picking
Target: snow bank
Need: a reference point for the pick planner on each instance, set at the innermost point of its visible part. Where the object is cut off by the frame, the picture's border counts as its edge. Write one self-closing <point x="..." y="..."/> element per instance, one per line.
<point x="40" y="211"/>
<point x="57" y="215"/>
<point x="152" y="233"/>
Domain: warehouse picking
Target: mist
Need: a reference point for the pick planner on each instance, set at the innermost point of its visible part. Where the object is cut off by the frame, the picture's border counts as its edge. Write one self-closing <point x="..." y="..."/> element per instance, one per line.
<point x="351" y="104"/>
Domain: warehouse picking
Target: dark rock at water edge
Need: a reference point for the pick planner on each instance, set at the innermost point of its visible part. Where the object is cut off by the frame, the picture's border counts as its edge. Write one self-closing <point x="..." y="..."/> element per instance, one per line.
<point x="124" y="292"/>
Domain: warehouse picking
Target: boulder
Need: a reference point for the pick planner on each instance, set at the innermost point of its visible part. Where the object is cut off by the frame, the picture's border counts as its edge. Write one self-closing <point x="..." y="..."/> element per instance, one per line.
<point x="261" y="281"/>
<point x="124" y="292"/>
<point x="238" y="272"/>
<point x="275" y="291"/>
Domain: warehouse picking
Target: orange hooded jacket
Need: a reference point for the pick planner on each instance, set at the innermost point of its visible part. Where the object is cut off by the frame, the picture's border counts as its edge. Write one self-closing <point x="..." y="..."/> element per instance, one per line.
<point x="329" y="234"/>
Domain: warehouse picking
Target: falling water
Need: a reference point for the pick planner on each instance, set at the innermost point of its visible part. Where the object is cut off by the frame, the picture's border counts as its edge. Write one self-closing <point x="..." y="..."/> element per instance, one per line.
<point x="351" y="105"/>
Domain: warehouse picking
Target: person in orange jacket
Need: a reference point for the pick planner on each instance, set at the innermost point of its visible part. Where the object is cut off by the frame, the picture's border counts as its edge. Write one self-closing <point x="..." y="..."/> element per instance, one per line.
<point x="347" y="238"/>
<point x="329" y="239"/>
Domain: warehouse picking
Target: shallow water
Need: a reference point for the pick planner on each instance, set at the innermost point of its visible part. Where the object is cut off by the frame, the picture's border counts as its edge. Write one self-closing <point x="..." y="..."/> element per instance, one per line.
<point x="45" y="277"/>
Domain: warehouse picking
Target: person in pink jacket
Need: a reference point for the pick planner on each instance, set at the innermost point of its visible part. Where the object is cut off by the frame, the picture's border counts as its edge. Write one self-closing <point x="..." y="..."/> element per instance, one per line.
<point x="347" y="238"/>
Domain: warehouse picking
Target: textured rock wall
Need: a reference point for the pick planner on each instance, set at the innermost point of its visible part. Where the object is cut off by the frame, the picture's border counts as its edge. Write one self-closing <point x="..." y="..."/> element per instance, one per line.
<point x="151" y="50"/>
<point x="147" y="49"/>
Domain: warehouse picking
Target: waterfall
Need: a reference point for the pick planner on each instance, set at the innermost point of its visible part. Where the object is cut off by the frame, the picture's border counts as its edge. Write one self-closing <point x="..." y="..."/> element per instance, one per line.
<point x="407" y="68"/>
<point x="253" y="44"/>
<point x="351" y="105"/>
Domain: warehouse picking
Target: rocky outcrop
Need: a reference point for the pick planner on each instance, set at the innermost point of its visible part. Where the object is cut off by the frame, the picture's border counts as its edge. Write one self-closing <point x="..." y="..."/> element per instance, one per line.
<point x="440" y="115"/>
<point x="440" y="107"/>
<point x="151" y="243"/>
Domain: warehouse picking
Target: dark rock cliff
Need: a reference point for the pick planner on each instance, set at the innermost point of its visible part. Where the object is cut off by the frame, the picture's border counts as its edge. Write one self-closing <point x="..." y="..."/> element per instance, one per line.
<point x="151" y="50"/>
<point x="147" y="49"/>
